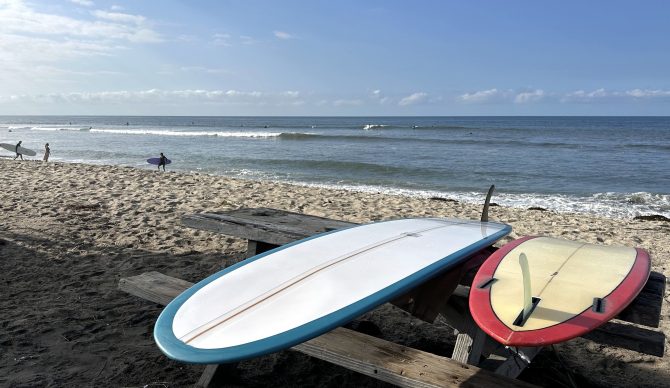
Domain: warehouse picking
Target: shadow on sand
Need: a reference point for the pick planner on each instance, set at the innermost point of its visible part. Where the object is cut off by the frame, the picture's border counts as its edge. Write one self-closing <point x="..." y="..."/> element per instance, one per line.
<point x="65" y="323"/>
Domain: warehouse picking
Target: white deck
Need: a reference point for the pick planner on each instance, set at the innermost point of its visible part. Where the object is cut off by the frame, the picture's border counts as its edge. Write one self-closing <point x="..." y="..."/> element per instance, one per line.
<point x="313" y="279"/>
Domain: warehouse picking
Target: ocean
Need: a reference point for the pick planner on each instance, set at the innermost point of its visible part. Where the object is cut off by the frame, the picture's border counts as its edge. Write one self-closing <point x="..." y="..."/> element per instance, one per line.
<point x="608" y="166"/>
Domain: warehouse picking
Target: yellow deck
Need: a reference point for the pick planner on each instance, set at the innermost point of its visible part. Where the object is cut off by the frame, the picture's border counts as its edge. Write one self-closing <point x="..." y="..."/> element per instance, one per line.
<point x="565" y="275"/>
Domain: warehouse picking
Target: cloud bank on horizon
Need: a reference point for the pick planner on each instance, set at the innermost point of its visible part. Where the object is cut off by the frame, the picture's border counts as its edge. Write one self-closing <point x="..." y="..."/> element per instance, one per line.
<point x="348" y="58"/>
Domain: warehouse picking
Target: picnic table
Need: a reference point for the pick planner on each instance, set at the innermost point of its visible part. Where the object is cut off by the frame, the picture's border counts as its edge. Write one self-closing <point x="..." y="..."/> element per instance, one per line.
<point x="477" y="360"/>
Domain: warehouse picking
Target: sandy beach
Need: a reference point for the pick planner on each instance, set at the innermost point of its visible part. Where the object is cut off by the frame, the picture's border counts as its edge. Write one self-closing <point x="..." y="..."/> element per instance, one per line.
<point x="69" y="232"/>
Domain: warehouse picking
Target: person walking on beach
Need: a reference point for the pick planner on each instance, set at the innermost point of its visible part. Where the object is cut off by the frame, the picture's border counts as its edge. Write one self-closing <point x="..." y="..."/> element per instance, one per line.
<point x="161" y="162"/>
<point x="17" y="150"/>
<point x="47" y="151"/>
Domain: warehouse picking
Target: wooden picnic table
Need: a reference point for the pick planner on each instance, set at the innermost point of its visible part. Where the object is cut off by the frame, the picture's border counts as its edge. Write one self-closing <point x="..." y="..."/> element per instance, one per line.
<point x="266" y="228"/>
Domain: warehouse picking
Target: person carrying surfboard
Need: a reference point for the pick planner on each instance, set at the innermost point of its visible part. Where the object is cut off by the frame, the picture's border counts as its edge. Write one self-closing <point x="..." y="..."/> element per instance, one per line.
<point x="162" y="162"/>
<point x="17" y="150"/>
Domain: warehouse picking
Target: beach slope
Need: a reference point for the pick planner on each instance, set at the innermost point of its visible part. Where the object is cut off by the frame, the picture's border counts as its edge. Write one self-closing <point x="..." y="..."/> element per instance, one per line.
<point x="69" y="232"/>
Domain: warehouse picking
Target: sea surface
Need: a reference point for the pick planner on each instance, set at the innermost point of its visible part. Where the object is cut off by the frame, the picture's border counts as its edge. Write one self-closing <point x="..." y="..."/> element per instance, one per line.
<point x="609" y="166"/>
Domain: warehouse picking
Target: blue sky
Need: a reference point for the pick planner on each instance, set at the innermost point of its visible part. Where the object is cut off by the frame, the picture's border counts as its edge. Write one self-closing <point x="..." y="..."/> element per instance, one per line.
<point x="388" y="57"/>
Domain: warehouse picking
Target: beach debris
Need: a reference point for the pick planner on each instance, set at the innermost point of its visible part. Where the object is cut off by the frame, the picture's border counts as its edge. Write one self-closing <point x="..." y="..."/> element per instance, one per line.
<point x="652" y="217"/>
<point x="540" y="209"/>
<point x="443" y="199"/>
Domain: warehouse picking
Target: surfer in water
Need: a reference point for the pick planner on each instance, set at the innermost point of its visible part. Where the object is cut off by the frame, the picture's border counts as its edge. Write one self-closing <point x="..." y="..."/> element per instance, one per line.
<point x="161" y="162"/>
<point x="17" y="150"/>
<point x="47" y="151"/>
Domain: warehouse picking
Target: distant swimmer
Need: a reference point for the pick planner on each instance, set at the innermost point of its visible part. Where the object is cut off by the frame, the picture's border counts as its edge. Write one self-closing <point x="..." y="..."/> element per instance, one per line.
<point x="127" y="123"/>
<point x="17" y="150"/>
<point x="47" y="151"/>
<point x="162" y="162"/>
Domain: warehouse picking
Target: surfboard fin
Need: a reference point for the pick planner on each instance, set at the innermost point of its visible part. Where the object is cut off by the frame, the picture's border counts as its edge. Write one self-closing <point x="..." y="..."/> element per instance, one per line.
<point x="599" y="305"/>
<point x="487" y="283"/>
<point x="485" y="210"/>
<point x="529" y="302"/>
<point x="522" y="318"/>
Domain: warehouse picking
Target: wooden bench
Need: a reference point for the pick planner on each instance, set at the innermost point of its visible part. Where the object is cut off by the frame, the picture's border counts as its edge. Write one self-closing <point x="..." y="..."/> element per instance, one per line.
<point x="266" y="228"/>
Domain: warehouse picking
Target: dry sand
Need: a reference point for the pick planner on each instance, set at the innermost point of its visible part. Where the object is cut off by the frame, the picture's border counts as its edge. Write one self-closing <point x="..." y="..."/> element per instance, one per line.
<point x="69" y="232"/>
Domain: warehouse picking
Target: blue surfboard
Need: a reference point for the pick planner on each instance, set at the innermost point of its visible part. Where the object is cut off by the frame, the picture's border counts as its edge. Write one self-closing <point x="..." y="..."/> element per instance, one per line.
<point x="155" y="161"/>
<point x="296" y="292"/>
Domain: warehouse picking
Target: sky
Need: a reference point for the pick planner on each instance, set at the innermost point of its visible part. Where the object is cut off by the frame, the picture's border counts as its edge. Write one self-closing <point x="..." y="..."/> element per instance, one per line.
<point x="334" y="58"/>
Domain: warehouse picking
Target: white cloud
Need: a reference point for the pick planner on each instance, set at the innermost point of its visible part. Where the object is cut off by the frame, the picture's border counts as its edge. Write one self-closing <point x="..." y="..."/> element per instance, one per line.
<point x="379" y="97"/>
<point x="347" y="102"/>
<point x="206" y="70"/>
<point x="646" y="93"/>
<point x="33" y="42"/>
<point x="221" y="39"/>
<point x="482" y="96"/>
<point x="414" y="98"/>
<point x="17" y="18"/>
<point x="186" y="38"/>
<point x="282" y="35"/>
<point x="602" y="94"/>
<point x="85" y="3"/>
<point x="227" y="40"/>
<point x="19" y="49"/>
<point x="244" y="39"/>
<point x="170" y="97"/>
<point x="119" y="17"/>
<point x="291" y="94"/>
<point x="530" y="96"/>
<point x="581" y="95"/>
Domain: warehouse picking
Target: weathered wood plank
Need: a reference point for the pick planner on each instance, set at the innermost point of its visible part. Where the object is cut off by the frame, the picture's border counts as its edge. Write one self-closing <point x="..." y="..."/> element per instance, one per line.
<point x="207" y="376"/>
<point x="154" y="286"/>
<point x="629" y="337"/>
<point x="397" y="364"/>
<point x="646" y="308"/>
<point x="383" y="360"/>
<point x="270" y="226"/>
<point x="469" y="344"/>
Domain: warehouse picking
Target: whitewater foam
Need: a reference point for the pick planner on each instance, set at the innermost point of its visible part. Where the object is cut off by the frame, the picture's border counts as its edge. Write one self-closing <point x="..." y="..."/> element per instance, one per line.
<point x="158" y="132"/>
<point x="61" y="128"/>
<point x="374" y="126"/>
<point x="611" y="205"/>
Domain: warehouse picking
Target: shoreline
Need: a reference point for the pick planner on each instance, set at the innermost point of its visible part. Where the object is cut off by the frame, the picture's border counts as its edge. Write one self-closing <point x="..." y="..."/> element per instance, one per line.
<point x="570" y="204"/>
<point x="70" y="231"/>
